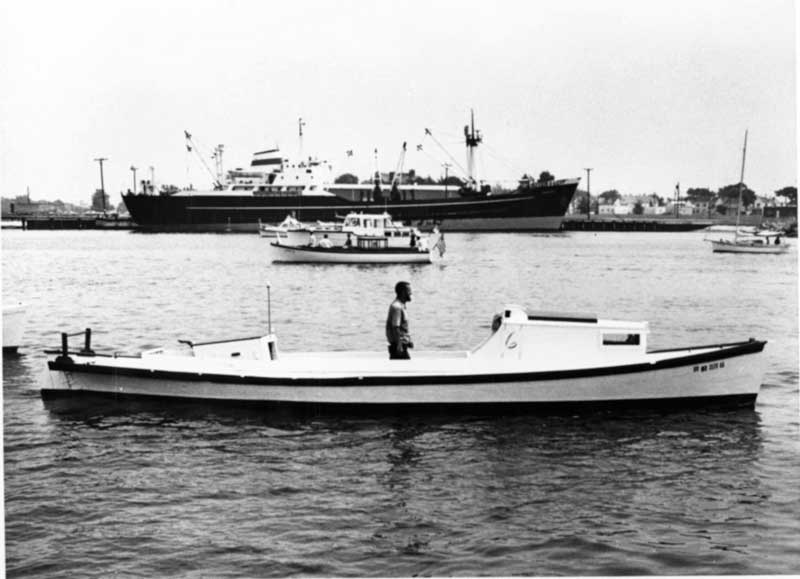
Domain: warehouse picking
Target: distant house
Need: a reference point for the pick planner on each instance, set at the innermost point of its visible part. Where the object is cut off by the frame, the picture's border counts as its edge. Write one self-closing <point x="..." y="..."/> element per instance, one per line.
<point x="654" y="209"/>
<point x="781" y="212"/>
<point x="617" y="208"/>
<point x="727" y="206"/>
<point x="701" y="208"/>
<point x="681" y="208"/>
<point x="651" y="204"/>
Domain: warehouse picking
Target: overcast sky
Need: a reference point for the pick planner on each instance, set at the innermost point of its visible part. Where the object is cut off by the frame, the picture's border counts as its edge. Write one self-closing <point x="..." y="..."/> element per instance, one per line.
<point x="646" y="93"/>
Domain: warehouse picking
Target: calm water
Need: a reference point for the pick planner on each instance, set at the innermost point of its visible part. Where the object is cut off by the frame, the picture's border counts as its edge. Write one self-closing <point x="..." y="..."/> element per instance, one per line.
<point x="194" y="491"/>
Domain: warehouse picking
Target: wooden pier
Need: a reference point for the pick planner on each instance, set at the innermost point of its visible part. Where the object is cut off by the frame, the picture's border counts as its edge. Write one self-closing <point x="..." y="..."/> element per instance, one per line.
<point x="583" y="223"/>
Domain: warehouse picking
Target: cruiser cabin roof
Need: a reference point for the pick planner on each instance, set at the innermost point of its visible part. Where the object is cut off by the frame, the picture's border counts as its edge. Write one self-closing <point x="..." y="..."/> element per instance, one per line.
<point x="555" y="336"/>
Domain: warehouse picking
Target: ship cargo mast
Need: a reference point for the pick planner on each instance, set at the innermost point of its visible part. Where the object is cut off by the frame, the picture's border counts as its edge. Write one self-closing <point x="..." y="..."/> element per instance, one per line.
<point x="473" y="139"/>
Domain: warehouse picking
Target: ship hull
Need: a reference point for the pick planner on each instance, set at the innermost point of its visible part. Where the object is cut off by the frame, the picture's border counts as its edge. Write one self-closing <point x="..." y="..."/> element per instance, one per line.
<point x="539" y="208"/>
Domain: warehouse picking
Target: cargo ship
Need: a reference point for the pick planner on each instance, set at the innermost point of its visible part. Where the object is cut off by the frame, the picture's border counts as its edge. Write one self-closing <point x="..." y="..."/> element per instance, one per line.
<point x="274" y="187"/>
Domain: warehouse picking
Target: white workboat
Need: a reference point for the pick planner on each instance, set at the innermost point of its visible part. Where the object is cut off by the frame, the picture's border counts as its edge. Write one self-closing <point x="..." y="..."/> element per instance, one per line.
<point x="14" y="318"/>
<point x="529" y="360"/>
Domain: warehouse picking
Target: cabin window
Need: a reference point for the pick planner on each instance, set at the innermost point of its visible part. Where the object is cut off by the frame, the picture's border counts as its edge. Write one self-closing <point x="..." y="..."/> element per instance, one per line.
<point x="620" y="339"/>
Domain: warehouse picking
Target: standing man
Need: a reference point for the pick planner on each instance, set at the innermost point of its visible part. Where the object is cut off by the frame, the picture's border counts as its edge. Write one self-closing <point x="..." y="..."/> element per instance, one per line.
<point x="397" y="323"/>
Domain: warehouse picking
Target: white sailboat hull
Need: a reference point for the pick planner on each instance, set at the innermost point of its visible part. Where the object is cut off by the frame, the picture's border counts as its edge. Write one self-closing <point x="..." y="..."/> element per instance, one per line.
<point x="723" y="246"/>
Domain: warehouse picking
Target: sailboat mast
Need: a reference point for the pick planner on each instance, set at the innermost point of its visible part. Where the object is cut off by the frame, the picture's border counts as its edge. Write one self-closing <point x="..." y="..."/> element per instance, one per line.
<point x="741" y="183"/>
<point x="744" y="153"/>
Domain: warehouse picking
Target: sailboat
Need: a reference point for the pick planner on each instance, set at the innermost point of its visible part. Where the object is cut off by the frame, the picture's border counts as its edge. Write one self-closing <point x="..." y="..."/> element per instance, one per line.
<point x="748" y="241"/>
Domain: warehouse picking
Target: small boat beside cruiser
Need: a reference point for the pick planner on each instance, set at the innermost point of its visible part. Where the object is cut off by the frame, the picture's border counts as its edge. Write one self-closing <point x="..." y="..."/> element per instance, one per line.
<point x="273" y="231"/>
<point x="529" y="360"/>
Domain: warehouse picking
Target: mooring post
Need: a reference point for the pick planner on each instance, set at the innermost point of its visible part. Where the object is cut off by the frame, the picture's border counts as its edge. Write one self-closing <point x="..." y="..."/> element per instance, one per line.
<point x="87" y="345"/>
<point x="64" y="344"/>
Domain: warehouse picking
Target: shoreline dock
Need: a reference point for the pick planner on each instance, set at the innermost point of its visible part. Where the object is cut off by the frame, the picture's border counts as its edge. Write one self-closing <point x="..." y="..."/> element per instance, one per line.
<point x="601" y="223"/>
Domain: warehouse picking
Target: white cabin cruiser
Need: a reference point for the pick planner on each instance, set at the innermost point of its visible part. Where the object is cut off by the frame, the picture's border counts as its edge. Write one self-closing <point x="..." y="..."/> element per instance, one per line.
<point x="354" y="224"/>
<point x="530" y="359"/>
<point x="359" y="238"/>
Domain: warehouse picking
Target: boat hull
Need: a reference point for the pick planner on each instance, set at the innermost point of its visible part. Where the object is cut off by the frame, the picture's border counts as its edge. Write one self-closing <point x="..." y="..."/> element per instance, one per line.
<point x="540" y="208"/>
<point x="732" y="247"/>
<point x="305" y="254"/>
<point x="14" y="318"/>
<point x="717" y="247"/>
<point x="728" y="375"/>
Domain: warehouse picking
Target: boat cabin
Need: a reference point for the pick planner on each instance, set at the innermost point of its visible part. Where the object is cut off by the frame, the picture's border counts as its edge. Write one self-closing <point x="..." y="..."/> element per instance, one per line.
<point x="559" y="338"/>
<point x="367" y="221"/>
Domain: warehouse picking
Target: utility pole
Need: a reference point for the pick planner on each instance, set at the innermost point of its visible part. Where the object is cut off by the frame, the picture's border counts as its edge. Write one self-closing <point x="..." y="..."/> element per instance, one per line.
<point x="134" y="179"/>
<point x="102" y="184"/>
<point x="588" y="193"/>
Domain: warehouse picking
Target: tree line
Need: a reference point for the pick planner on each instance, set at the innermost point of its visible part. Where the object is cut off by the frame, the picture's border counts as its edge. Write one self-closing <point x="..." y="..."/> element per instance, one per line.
<point x="698" y="195"/>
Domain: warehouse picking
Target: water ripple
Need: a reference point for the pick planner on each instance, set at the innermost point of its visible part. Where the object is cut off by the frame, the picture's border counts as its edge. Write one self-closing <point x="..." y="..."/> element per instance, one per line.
<point x="196" y="490"/>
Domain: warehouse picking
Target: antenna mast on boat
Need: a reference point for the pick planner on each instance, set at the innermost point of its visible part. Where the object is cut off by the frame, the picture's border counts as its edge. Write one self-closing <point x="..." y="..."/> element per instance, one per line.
<point x="473" y="139"/>
<point x="300" y="124"/>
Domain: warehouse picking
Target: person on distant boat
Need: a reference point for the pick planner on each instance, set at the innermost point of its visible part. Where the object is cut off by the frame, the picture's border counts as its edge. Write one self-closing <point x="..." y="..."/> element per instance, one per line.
<point x="326" y="243"/>
<point x="397" y="323"/>
<point x="349" y="242"/>
<point x="312" y="240"/>
<point x="777" y="240"/>
<point x="413" y="242"/>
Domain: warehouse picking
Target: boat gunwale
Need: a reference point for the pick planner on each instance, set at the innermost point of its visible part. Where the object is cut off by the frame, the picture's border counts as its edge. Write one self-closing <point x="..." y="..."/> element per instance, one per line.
<point x="718" y="353"/>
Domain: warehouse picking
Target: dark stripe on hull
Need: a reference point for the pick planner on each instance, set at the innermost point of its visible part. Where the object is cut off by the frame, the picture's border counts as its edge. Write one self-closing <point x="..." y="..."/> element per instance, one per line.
<point x="349" y="251"/>
<point x="732" y="401"/>
<point x="741" y="349"/>
<point x="218" y="212"/>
